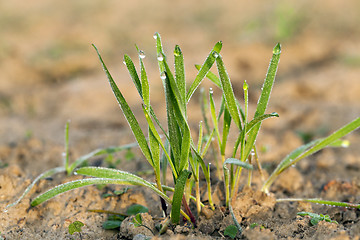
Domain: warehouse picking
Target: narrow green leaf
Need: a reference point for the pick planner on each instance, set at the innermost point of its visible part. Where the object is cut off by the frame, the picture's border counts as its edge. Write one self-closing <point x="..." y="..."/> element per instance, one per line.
<point x="133" y="123"/>
<point x="66" y="157"/>
<point x="41" y="176"/>
<point x="308" y="149"/>
<point x="203" y="70"/>
<point x="211" y="76"/>
<point x="228" y="91"/>
<point x="132" y="71"/>
<point x="180" y="72"/>
<point x="264" y="97"/>
<point x="258" y="119"/>
<point x="111" y="224"/>
<point x="178" y="195"/>
<point x="100" y="151"/>
<point x="238" y="163"/>
<point x="225" y="132"/>
<point x="90" y="181"/>
<point x="145" y="89"/>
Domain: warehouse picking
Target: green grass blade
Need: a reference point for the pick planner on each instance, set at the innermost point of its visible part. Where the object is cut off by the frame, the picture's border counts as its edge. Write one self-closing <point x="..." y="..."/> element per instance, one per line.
<point x="178" y="194"/>
<point x="133" y="123"/>
<point x="203" y="70"/>
<point x="145" y="89"/>
<point x="228" y="91"/>
<point x="66" y="157"/>
<point x="225" y="131"/>
<point x="258" y="119"/>
<point x="100" y="172"/>
<point x="214" y="117"/>
<point x="41" y="176"/>
<point x="101" y="151"/>
<point x="133" y="74"/>
<point x="211" y="76"/>
<point x="310" y="148"/>
<point x="160" y="53"/>
<point x="180" y="72"/>
<point x="238" y="163"/>
<point x="264" y="97"/>
<point x="320" y="201"/>
<point x="90" y="181"/>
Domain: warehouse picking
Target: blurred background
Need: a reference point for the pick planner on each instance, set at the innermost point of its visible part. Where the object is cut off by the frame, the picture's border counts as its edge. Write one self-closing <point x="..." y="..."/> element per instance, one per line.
<point x="50" y="73"/>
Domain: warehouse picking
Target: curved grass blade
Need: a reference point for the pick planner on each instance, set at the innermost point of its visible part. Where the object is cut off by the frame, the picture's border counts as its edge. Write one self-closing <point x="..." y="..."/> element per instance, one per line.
<point x="203" y="70"/>
<point x="145" y="89"/>
<point x="261" y="118"/>
<point x="211" y="76"/>
<point x="132" y="71"/>
<point x="41" y="176"/>
<point x="90" y="181"/>
<point x="320" y="201"/>
<point x="310" y="148"/>
<point x="101" y="151"/>
<point x="228" y="91"/>
<point x="238" y="163"/>
<point x="264" y="97"/>
<point x="133" y="123"/>
<point x="178" y="194"/>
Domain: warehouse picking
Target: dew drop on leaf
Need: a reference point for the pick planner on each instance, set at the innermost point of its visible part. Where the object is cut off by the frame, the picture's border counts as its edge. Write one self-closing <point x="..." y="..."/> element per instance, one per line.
<point x="142" y="54"/>
<point x="163" y="75"/>
<point x="160" y="57"/>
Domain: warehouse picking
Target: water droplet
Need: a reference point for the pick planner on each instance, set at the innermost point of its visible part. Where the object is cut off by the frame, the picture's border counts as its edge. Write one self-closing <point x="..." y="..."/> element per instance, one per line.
<point x="5" y="211"/>
<point x="163" y="75"/>
<point x="277" y="49"/>
<point x="155" y="35"/>
<point x="142" y="54"/>
<point x="63" y="154"/>
<point x="245" y="86"/>
<point x="215" y="54"/>
<point x="75" y="173"/>
<point x="160" y="57"/>
<point x="211" y="91"/>
<point x="124" y="62"/>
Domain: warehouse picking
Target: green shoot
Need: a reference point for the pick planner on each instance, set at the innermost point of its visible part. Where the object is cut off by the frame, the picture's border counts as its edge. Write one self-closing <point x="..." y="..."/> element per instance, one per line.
<point x="75" y="227"/>
<point x="316" y="218"/>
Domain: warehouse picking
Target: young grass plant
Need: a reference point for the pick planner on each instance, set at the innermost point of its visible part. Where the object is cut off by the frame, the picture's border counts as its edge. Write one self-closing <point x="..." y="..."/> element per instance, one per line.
<point x="177" y="149"/>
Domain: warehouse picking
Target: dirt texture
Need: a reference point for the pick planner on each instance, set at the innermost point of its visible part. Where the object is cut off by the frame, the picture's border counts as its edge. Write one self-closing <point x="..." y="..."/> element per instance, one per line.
<point x="50" y="73"/>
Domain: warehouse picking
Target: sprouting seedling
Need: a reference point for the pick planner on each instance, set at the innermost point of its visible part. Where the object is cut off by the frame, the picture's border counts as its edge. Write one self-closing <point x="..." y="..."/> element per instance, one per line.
<point x="75" y="227"/>
<point x="316" y="218"/>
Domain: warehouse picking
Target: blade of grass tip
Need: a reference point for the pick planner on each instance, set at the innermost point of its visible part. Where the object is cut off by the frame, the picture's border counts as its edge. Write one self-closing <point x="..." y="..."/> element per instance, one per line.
<point x="320" y="201"/>
<point x="66" y="153"/>
<point x="180" y="72"/>
<point x="238" y="163"/>
<point x="178" y="194"/>
<point x="310" y="148"/>
<point x="41" y="176"/>
<point x="261" y="118"/>
<point x="203" y="70"/>
<point x="160" y="53"/>
<point x="90" y="181"/>
<point x="133" y="123"/>
<point x="101" y="151"/>
<point x="133" y="74"/>
<point x="228" y="91"/>
<point x="211" y="76"/>
<point x="145" y="89"/>
<point x="264" y="97"/>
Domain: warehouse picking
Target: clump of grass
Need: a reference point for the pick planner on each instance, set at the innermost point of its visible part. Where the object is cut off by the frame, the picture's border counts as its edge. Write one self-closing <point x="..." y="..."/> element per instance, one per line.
<point x="178" y="149"/>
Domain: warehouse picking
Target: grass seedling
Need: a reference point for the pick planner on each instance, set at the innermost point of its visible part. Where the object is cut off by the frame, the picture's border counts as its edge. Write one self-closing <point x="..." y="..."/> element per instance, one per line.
<point x="177" y="149"/>
<point x="316" y="218"/>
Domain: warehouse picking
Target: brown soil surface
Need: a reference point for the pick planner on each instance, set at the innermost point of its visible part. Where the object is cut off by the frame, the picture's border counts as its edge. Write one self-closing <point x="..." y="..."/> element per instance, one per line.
<point x="50" y="73"/>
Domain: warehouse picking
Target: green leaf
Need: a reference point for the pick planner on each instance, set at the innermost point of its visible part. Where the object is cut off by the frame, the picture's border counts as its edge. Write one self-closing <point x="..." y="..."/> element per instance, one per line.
<point x="41" y="176"/>
<point x="264" y="97"/>
<point x="136" y="208"/>
<point x="75" y="227"/>
<point x="203" y="70"/>
<point x="308" y="149"/>
<point x="133" y="123"/>
<point x="178" y="195"/>
<point x="211" y="76"/>
<point x="110" y="176"/>
<point x="111" y="224"/>
<point x="137" y="220"/>
<point x="132" y="71"/>
<point x="261" y="118"/>
<point x="180" y="73"/>
<point x="238" y="163"/>
<point x="228" y="91"/>
<point x="231" y="231"/>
